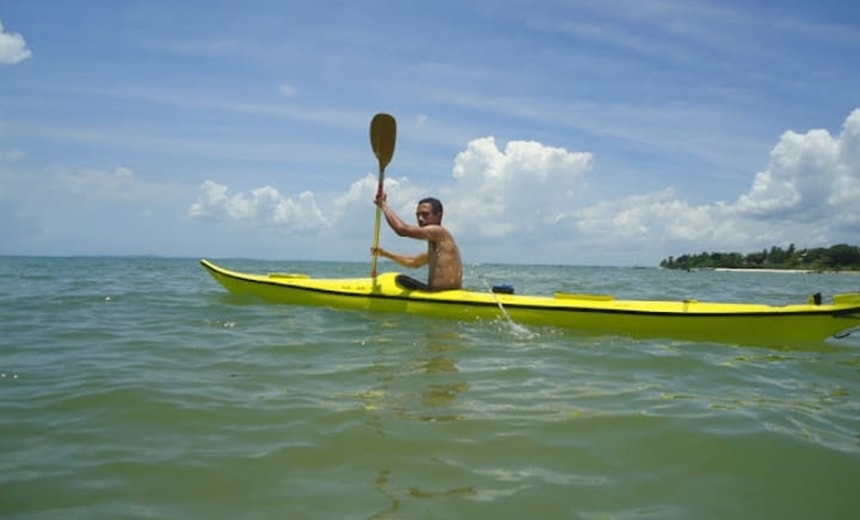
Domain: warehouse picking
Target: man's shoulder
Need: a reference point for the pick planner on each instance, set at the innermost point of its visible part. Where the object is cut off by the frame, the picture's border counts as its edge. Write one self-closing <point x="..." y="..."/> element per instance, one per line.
<point x="441" y="232"/>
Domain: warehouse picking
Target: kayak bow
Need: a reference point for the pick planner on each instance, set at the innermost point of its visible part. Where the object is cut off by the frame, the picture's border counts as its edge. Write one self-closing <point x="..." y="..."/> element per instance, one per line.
<point x="744" y="323"/>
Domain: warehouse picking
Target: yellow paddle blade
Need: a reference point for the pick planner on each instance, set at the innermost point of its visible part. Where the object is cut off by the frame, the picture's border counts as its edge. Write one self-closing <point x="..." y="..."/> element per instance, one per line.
<point x="383" y="135"/>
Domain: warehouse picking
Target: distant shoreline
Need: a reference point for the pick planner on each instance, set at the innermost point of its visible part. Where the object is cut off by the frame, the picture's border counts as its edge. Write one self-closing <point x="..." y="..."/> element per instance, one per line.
<point x="789" y="271"/>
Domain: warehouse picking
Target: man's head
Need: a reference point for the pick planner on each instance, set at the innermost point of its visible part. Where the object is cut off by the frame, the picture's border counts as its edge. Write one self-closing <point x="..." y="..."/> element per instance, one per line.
<point x="429" y="211"/>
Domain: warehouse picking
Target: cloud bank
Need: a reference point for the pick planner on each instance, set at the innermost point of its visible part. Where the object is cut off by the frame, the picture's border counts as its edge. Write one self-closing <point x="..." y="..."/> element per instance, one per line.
<point x="807" y="194"/>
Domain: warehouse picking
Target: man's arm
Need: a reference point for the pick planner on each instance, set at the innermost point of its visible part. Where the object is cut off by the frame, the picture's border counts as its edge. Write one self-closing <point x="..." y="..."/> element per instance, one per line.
<point x="404" y="260"/>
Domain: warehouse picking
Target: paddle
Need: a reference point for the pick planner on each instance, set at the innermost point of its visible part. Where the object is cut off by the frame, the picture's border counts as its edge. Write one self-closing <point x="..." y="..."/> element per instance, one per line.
<point x="383" y="134"/>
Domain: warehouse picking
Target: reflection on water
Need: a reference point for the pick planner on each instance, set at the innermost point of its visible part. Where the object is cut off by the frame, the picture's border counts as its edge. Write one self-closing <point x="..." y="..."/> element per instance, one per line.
<point x="440" y="395"/>
<point x="443" y="395"/>
<point x="380" y="483"/>
<point x="395" y="388"/>
<point x="396" y="392"/>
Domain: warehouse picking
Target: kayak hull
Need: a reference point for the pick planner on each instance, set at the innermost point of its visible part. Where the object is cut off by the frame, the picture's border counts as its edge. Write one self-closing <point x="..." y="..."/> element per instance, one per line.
<point x="745" y="323"/>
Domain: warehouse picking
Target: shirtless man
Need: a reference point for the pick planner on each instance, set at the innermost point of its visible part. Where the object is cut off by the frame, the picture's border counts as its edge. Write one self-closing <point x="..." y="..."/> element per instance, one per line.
<point x="445" y="270"/>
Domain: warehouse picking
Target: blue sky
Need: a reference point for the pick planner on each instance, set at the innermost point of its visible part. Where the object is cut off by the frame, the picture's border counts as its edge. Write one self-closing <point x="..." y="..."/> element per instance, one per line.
<point x="612" y="132"/>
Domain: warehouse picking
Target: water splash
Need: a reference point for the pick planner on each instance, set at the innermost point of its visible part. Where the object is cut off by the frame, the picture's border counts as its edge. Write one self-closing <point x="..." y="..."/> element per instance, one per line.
<point x="521" y="332"/>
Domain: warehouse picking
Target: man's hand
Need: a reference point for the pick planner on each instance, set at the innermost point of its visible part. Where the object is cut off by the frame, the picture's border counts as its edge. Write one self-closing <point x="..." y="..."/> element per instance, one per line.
<point x="380" y="199"/>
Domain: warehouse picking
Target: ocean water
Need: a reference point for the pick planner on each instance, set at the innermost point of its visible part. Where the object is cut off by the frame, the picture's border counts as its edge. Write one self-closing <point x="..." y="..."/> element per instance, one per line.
<point x="137" y="388"/>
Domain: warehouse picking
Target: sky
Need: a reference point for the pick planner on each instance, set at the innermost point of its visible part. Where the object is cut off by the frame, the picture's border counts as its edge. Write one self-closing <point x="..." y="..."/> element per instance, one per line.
<point x="574" y="132"/>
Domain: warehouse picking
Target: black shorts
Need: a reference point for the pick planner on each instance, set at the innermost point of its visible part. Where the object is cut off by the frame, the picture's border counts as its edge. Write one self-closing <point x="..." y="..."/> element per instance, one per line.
<point x="407" y="282"/>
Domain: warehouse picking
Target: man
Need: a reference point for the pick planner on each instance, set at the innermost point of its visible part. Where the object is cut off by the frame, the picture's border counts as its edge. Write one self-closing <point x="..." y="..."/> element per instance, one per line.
<point x="445" y="269"/>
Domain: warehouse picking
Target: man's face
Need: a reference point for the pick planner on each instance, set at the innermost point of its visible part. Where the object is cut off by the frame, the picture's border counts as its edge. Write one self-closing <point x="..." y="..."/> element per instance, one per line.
<point x="424" y="214"/>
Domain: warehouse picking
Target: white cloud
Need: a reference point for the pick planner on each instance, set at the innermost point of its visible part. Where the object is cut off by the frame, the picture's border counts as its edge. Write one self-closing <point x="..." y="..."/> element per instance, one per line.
<point x="808" y="192"/>
<point x="657" y="218"/>
<point x="498" y="193"/>
<point x="809" y="177"/>
<point x="798" y="180"/>
<point x="521" y="188"/>
<point x="13" y="48"/>
<point x="263" y="206"/>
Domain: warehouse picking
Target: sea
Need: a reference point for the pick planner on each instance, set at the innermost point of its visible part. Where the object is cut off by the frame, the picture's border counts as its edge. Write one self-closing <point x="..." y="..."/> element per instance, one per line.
<point x="137" y="388"/>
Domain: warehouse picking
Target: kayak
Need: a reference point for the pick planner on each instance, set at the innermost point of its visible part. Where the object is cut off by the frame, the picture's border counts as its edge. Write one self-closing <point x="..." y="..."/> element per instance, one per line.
<point x="809" y="322"/>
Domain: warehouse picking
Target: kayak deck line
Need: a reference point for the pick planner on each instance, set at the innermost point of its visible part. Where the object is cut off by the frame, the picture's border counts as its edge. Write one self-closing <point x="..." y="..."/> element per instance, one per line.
<point x="577" y="296"/>
<point x="809" y="321"/>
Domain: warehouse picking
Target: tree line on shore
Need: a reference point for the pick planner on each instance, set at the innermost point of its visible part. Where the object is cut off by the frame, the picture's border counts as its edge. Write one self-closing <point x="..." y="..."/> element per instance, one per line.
<point x="840" y="257"/>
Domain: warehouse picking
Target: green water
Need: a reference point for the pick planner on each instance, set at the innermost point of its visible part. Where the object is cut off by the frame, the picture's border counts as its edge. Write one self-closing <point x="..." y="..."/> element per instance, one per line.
<point x="136" y="388"/>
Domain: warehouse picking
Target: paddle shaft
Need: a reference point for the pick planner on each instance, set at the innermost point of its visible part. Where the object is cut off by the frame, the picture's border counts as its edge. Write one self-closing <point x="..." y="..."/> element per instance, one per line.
<point x="376" y="224"/>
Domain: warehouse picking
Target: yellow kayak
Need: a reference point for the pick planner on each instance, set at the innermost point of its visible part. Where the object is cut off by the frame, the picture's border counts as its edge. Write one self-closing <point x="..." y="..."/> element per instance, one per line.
<point x="810" y="322"/>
